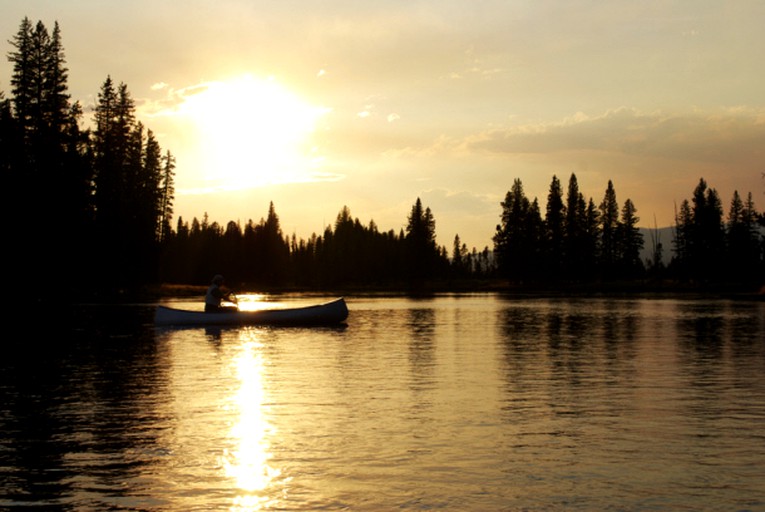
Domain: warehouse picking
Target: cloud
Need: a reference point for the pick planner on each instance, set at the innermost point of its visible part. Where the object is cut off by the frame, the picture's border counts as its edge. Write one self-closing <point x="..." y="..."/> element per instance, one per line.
<point x="731" y="136"/>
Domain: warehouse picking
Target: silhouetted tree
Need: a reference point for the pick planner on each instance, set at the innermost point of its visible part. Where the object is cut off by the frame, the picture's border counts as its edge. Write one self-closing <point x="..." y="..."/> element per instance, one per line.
<point x="519" y="238"/>
<point x="590" y="240"/>
<point x="708" y="232"/>
<point x="8" y="141"/>
<point x="700" y="236"/>
<point x="230" y="259"/>
<point x="576" y="249"/>
<point x="272" y="254"/>
<point x="609" y="221"/>
<point x="422" y="252"/>
<point x="555" y="229"/>
<point x="461" y="260"/>
<point x="744" y="242"/>
<point x="630" y="242"/>
<point x="167" y="196"/>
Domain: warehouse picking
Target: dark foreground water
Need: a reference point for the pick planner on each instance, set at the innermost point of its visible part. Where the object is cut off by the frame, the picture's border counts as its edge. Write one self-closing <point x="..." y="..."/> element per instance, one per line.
<point x="454" y="403"/>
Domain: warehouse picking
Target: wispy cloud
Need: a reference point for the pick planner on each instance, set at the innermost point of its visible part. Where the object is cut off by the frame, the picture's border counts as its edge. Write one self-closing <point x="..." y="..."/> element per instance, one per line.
<point x="728" y="136"/>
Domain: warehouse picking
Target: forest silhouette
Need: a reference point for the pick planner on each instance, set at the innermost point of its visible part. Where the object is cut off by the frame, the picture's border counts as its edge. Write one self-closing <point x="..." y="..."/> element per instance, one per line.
<point x="93" y="217"/>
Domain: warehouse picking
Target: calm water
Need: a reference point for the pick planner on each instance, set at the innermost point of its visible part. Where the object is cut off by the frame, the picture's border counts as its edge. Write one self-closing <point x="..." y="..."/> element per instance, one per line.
<point x="454" y="403"/>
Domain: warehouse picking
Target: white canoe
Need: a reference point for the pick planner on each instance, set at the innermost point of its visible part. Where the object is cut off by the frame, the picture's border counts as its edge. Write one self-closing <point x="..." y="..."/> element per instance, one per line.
<point x="329" y="313"/>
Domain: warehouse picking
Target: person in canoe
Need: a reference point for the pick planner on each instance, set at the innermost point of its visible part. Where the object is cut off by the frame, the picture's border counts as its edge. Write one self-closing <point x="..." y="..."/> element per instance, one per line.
<point x="216" y="295"/>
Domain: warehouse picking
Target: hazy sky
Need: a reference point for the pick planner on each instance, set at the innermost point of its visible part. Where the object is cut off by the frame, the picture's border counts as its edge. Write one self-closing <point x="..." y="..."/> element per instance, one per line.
<point x="316" y="105"/>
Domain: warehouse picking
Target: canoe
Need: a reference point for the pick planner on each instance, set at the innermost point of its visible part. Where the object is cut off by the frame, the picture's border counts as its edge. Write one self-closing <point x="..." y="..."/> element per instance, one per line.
<point x="329" y="313"/>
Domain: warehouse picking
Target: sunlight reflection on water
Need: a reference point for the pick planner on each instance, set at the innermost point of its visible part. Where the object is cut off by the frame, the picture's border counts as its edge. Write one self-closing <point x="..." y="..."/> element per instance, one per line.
<point x="249" y="464"/>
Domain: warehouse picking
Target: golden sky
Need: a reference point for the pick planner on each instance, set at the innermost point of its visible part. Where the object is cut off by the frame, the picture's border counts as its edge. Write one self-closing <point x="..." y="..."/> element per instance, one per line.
<point x="316" y="105"/>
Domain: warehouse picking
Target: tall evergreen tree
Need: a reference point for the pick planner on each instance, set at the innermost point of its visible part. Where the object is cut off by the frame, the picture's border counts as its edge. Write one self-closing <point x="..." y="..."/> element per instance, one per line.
<point x="460" y="257"/>
<point x="22" y="80"/>
<point x="555" y="229"/>
<point x="708" y="232"/>
<point x="275" y="255"/>
<point x="422" y="252"/>
<point x="682" y="240"/>
<point x="167" y="196"/>
<point x="518" y="238"/>
<point x="700" y="236"/>
<point x="591" y="236"/>
<point x="575" y="238"/>
<point x="630" y="241"/>
<point x="10" y="145"/>
<point x="744" y="263"/>
<point x="609" y="222"/>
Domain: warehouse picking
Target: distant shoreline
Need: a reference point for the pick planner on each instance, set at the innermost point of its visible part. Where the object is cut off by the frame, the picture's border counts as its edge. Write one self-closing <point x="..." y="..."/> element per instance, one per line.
<point x="641" y="289"/>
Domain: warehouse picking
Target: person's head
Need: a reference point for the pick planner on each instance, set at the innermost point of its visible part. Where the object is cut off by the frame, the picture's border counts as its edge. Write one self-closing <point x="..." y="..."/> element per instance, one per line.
<point x="218" y="279"/>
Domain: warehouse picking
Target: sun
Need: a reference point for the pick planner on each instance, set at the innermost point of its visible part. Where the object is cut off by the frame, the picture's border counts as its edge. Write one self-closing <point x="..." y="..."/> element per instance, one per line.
<point x="252" y="132"/>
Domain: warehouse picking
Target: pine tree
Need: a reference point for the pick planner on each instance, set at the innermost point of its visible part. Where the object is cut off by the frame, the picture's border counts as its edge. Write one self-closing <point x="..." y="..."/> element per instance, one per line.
<point x="591" y="239"/>
<point x="10" y="144"/>
<point x="609" y="225"/>
<point x="575" y="240"/>
<point x="708" y="232"/>
<point x="422" y="252"/>
<point x="518" y="238"/>
<point x="555" y="229"/>
<point x="683" y="240"/>
<point x="275" y="253"/>
<point x="22" y="80"/>
<point x="630" y="241"/>
<point x="460" y="258"/>
<point x="744" y="263"/>
<point x="167" y="196"/>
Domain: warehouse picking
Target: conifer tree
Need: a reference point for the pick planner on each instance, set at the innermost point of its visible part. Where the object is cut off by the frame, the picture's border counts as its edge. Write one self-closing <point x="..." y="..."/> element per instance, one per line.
<point x="591" y="239"/>
<point x="555" y="229"/>
<point x="683" y="240"/>
<point x="422" y="252"/>
<point x="518" y="238"/>
<point x="9" y="145"/>
<point x="744" y="261"/>
<point x="167" y="196"/>
<point x="630" y="241"/>
<point x="708" y="232"/>
<point x="575" y="239"/>
<point x="275" y="250"/>
<point x="609" y="225"/>
<point x="460" y="258"/>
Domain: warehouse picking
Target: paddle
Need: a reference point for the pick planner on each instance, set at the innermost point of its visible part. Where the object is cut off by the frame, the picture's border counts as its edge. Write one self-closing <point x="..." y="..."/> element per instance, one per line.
<point x="231" y="297"/>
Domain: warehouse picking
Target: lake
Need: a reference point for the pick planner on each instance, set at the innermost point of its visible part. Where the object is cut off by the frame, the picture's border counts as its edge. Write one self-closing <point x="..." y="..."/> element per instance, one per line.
<point x="465" y="402"/>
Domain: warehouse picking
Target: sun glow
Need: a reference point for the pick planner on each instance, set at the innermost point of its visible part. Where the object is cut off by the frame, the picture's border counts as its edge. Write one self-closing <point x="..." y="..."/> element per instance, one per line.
<point x="252" y="132"/>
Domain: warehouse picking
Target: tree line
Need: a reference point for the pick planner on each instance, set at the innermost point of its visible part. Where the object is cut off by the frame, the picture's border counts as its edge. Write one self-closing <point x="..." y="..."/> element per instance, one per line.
<point x="575" y="241"/>
<point x="346" y="254"/>
<point x="94" y="214"/>
<point x="579" y="241"/>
